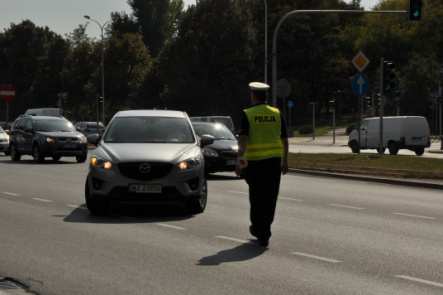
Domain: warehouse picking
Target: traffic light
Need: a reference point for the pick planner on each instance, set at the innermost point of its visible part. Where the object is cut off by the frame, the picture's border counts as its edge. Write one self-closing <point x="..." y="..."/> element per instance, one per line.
<point x="377" y="103"/>
<point x="415" y="9"/>
<point x="390" y="80"/>
<point x="368" y="102"/>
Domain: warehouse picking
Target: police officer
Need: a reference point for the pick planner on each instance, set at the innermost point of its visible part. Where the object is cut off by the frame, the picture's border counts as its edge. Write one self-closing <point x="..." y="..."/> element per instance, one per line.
<point x="263" y="150"/>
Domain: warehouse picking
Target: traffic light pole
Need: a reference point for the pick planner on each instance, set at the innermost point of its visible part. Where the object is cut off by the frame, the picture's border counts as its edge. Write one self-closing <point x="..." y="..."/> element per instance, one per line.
<point x="381" y="108"/>
<point x="333" y="126"/>
<point x="313" y="120"/>
<point x="360" y="107"/>
<point x="440" y="123"/>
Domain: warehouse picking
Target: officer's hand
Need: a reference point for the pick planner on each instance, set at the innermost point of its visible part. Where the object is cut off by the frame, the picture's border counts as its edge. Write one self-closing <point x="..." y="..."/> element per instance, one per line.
<point x="241" y="164"/>
<point x="284" y="167"/>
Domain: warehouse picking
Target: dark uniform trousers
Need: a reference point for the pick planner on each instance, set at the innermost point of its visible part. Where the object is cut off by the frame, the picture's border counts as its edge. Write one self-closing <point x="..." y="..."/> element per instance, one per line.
<point x="263" y="178"/>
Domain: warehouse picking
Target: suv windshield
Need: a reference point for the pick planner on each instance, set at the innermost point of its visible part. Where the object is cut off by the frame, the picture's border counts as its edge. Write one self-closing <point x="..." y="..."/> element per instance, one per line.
<point x="149" y="130"/>
<point x="53" y="125"/>
<point x="218" y="130"/>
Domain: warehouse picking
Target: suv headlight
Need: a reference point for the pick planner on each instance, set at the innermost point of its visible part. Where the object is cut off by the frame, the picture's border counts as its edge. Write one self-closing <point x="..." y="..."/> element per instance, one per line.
<point x="97" y="162"/>
<point x="188" y="164"/>
<point x="50" y="140"/>
<point x="83" y="139"/>
<point x="208" y="152"/>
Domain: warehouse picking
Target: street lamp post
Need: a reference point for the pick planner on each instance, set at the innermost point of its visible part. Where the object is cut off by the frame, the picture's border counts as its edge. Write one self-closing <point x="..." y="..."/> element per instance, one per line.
<point x="266" y="41"/>
<point x="102" y="63"/>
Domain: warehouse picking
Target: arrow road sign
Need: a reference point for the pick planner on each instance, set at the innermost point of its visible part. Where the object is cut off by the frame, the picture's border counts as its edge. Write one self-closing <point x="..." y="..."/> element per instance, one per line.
<point x="360" y="84"/>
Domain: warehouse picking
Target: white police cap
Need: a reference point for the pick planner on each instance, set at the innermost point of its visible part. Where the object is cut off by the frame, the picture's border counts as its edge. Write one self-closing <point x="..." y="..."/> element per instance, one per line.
<point x="258" y="86"/>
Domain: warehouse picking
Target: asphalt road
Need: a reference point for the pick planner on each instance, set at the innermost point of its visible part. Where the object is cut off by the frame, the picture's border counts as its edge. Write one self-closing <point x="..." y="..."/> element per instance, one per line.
<point x="330" y="237"/>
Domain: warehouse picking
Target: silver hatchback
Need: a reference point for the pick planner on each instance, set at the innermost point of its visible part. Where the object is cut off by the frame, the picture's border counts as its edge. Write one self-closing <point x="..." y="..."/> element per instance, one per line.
<point x="147" y="157"/>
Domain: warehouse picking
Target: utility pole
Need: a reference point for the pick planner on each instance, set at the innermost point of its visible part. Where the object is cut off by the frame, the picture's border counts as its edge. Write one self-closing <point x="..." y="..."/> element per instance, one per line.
<point x="313" y="119"/>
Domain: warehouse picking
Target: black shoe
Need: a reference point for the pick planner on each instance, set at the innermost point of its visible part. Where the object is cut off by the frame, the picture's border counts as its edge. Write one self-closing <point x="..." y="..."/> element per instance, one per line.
<point x="252" y="231"/>
<point x="264" y="242"/>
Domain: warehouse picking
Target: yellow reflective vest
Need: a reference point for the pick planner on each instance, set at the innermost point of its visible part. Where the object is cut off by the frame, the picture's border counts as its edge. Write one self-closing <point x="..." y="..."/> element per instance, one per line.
<point x="264" y="140"/>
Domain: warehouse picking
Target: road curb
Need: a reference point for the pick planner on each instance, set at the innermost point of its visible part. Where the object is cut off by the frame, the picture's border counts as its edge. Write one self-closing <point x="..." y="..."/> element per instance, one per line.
<point x="10" y="286"/>
<point x="394" y="181"/>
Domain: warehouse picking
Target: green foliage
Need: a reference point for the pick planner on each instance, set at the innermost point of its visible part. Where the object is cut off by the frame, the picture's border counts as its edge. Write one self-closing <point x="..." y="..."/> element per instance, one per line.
<point x="157" y="20"/>
<point x="200" y="59"/>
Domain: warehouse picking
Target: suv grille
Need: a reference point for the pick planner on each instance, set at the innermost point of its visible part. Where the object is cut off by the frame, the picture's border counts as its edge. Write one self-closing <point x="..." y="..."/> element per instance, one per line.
<point x="135" y="171"/>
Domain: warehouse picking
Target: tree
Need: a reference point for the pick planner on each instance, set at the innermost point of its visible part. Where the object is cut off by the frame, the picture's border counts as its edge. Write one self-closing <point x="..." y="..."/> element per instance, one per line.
<point x="157" y="20"/>
<point x="32" y="59"/>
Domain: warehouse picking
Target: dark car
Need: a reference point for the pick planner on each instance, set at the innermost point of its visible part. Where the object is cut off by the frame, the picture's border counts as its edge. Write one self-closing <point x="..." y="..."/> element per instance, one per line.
<point x="222" y="154"/>
<point x="90" y="130"/>
<point x="42" y="136"/>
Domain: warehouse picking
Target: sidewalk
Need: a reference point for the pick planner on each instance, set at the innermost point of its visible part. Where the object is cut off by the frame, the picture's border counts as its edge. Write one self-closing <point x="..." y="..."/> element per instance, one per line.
<point x="323" y="144"/>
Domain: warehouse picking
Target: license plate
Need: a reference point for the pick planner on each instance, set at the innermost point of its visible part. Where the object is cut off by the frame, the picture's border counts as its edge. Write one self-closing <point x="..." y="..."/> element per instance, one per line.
<point x="145" y="188"/>
<point x="231" y="162"/>
<point x="70" y="146"/>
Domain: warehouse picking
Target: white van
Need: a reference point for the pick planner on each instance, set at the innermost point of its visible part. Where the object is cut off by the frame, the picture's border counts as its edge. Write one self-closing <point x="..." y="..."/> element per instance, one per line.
<point x="403" y="132"/>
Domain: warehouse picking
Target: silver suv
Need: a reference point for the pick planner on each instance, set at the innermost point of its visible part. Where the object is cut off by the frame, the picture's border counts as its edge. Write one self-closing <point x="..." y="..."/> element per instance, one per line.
<point x="147" y="156"/>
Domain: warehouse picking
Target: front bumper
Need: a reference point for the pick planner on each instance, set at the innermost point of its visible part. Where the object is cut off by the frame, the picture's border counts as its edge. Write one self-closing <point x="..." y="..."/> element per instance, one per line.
<point x="58" y="149"/>
<point x="225" y="162"/>
<point x="177" y="186"/>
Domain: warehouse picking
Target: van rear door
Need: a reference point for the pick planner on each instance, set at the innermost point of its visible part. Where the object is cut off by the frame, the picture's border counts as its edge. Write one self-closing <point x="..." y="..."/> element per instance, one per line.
<point x="417" y="132"/>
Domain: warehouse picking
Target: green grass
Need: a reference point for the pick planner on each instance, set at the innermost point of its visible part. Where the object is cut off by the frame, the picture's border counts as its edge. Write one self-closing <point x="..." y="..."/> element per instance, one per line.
<point x="394" y="166"/>
<point x="319" y="131"/>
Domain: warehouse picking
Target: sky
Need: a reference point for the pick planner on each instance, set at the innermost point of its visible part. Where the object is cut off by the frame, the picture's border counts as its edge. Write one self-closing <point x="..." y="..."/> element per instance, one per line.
<point x="63" y="16"/>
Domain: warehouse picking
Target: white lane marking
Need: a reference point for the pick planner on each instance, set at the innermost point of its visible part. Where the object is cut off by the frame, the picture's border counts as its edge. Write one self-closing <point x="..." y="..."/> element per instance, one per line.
<point x="72" y="206"/>
<point x="418" y="280"/>
<point x="414" y="215"/>
<point x="42" y="200"/>
<point x="10" y="194"/>
<point x="283" y="198"/>
<point x="232" y="239"/>
<point x="171" y="226"/>
<point x="325" y="259"/>
<point x="291" y="199"/>
<point x="346" y="206"/>
<point x="238" y="192"/>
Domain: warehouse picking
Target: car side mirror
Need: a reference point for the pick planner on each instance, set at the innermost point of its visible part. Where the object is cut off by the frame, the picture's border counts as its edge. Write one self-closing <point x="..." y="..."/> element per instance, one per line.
<point x="94" y="139"/>
<point x="206" y="140"/>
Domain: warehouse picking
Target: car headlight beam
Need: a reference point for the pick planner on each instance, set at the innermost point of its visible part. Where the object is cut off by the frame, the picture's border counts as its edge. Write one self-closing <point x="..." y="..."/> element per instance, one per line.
<point x="100" y="163"/>
<point x="188" y="164"/>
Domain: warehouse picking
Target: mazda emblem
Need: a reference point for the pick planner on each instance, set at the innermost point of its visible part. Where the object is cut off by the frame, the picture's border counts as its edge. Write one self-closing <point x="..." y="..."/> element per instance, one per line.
<point x="144" y="168"/>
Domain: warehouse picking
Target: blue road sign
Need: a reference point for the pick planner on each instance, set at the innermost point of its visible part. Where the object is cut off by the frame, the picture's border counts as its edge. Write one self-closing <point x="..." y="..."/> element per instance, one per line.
<point x="360" y="84"/>
<point x="290" y="104"/>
